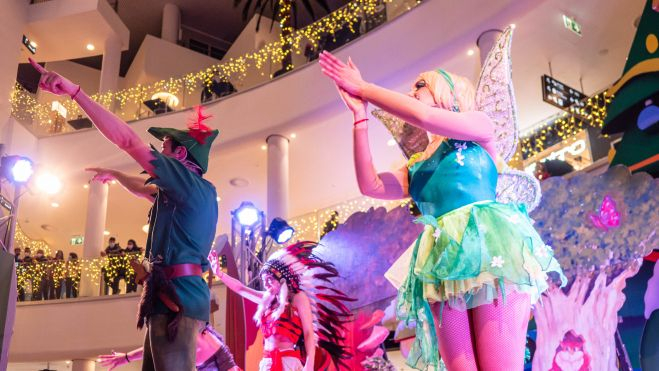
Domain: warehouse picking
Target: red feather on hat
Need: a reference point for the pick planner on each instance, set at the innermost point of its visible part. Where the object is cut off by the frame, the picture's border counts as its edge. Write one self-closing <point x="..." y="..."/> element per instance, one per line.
<point x="196" y="127"/>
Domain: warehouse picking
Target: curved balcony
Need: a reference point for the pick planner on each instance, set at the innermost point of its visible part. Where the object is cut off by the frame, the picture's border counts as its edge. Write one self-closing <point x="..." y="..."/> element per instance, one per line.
<point x="241" y="70"/>
<point x="83" y="328"/>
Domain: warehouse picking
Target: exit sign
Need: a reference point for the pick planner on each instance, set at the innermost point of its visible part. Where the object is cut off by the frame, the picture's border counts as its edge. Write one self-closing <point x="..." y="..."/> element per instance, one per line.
<point x="571" y="24"/>
<point x="560" y="95"/>
<point x="77" y="240"/>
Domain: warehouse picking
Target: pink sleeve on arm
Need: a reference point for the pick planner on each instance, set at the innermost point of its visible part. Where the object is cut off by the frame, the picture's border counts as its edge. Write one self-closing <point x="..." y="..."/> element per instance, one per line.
<point x="473" y="125"/>
<point x="387" y="186"/>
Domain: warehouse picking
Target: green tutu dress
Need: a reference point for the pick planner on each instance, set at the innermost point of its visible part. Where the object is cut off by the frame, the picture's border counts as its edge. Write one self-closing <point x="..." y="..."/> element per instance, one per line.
<point x="472" y="248"/>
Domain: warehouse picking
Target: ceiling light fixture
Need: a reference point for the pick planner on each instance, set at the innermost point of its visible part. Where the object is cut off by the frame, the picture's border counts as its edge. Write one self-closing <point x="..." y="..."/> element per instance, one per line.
<point x="90" y="47"/>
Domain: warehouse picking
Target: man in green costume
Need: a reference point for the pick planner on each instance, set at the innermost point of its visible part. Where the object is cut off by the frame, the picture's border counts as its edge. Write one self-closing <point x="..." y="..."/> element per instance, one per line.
<point x="182" y="224"/>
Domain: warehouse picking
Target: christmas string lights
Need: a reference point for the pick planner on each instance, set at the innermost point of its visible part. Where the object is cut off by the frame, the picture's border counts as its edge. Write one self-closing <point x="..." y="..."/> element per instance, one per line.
<point x="127" y="102"/>
<point x="565" y="126"/>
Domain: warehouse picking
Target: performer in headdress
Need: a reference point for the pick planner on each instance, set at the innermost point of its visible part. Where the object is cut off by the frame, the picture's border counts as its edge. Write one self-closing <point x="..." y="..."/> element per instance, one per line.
<point x="471" y="277"/>
<point x="298" y="311"/>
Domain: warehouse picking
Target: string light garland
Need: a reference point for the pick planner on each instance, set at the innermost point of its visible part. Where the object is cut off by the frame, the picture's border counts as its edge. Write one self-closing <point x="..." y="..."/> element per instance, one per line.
<point x="310" y="226"/>
<point x="22" y="241"/>
<point x="564" y="127"/>
<point x="31" y="275"/>
<point x="127" y="102"/>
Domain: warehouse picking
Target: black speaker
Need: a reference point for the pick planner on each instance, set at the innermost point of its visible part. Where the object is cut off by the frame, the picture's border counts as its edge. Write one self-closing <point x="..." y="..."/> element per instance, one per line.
<point x="7" y="304"/>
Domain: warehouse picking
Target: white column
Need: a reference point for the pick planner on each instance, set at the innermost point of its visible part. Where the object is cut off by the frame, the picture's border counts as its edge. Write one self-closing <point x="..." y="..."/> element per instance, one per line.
<point x="83" y="365"/>
<point x="97" y="206"/>
<point x="171" y="22"/>
<point x="110" y="67"/>
<point x="13" y="18"/>
<point x="277" y="177"/>
<point x="486" y="41"/>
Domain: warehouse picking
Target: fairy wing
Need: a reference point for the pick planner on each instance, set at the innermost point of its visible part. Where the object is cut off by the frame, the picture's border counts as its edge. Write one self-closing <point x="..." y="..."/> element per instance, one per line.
<point x="495" y="96"/>
<point x="410" y="139"/>
<point x="516" y="186"/>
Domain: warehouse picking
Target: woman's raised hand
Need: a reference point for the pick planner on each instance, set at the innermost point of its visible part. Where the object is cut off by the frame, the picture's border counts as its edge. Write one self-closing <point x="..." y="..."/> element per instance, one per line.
<point x="346" y="76"/>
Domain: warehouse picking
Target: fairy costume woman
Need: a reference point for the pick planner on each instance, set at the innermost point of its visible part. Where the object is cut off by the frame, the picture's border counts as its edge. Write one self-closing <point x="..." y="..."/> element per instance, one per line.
<point x="471" y="276"/>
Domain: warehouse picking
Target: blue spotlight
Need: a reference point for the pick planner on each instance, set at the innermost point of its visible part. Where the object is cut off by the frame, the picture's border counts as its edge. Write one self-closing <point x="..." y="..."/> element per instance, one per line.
<point x="280" y="231"/>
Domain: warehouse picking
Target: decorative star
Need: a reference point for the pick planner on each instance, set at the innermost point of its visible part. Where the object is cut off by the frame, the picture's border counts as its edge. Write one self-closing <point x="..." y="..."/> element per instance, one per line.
<point x="459" y="158"/>
<point x="497" y="262"/>
<point x="460" y="146"/>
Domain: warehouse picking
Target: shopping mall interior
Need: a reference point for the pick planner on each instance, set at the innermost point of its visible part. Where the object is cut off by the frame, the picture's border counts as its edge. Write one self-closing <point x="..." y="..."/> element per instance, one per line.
<point x="568" y="96"/>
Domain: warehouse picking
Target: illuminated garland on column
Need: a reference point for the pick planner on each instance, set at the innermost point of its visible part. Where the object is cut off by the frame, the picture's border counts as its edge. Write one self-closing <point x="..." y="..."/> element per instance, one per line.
<point x="310" y="226"/>
<point x="22" y="241"/>
<point x="566" y="126"/>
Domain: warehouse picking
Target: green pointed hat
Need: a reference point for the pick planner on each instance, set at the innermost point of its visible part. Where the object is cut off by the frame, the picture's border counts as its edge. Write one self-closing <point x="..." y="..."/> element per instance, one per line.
<point x="640" y="78"/>
<point x="197" y="139"/>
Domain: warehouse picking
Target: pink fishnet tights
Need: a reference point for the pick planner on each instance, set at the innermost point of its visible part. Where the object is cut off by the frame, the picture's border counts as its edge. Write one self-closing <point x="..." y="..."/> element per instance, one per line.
<point x="490" y="337"/>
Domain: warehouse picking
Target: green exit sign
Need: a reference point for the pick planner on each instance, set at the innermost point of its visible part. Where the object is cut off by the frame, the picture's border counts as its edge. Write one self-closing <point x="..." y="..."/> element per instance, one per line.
<point x="77" y="240"/>
<point x="571" y="24"/>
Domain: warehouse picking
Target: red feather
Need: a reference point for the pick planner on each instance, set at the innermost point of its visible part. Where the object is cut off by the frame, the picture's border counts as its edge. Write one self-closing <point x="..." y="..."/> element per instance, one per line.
<point x="196" y="127"/>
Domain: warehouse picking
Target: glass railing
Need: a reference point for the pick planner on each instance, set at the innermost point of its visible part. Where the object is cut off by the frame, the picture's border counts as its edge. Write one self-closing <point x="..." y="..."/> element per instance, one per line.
<point x="235" y="75"/>
<point x="42" y="278"/>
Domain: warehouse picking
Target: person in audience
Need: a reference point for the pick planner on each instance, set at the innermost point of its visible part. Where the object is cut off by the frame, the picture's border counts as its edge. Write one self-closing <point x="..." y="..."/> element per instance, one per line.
<point x="19" y="268"/>
<point x="27" y="255"/>
<point x="133" y="252"/>
<point x="45" y="276"/>
<point x="106" y="276"/>
<point x="27" y="265"/>
<point x="73" y="274"/>
<point x="17" y="255"/>
<point x="55" y="274"/>
<point x="116" y="266"/>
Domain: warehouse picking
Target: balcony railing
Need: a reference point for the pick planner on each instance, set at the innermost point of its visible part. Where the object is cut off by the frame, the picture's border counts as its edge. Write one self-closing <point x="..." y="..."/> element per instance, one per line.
<point x="216" y="82"/>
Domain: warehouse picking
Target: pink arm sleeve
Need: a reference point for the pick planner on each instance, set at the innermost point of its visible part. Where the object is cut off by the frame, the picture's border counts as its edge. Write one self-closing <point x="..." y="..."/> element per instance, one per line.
<point x="474" y="126"/>
<point x="117" y="131"/>
<point x="387" y="186"/>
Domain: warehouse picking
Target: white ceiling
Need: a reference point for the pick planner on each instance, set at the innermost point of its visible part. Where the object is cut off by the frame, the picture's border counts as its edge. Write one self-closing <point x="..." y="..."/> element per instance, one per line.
<point x="321" y="156"/>
<point x="62" y="29"/>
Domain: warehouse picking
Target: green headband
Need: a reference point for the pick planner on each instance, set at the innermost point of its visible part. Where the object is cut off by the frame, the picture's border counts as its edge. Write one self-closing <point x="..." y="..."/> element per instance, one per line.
<point x="449" y="81"/>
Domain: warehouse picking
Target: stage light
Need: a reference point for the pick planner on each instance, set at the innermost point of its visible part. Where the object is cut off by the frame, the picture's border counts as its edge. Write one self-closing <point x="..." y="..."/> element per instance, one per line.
<point x="22" y="170"/>
<point x="17" y="169"/>
<point x="247" y="214"/>
<point x="49" y="184"/>
<point x="280" y="231"/>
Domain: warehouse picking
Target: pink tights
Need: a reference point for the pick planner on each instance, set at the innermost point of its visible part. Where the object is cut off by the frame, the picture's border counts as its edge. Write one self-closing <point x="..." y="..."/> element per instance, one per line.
<point x="490" y="337"/>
